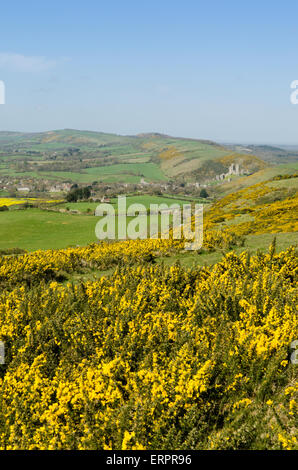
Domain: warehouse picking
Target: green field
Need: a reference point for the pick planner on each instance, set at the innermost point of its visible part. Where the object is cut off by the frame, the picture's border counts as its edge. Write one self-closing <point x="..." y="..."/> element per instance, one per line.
<point x="146" y="200"/>
<point x="147" y="170"/>
<point x="36" y="229"/>
<point x="126" y="173"/>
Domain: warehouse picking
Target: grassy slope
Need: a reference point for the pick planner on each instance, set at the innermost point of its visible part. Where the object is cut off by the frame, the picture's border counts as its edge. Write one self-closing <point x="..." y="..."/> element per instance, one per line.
<point x="258" y="177"/>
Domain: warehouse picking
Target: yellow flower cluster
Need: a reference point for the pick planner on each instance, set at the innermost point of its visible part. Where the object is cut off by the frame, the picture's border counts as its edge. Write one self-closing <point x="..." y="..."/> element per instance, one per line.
<point x="257" y="209"/>
<point x="46" y="264"/>
<point x="10" y="201"/>
<point x="152" y="357"/>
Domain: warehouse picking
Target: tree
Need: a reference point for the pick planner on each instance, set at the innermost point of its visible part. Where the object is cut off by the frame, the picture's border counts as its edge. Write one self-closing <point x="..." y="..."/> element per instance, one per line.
<point x="72" y="196"/>
<point x="203" y="193"/>
<point x="78" y="193"/>
<point x="86" y="193"/>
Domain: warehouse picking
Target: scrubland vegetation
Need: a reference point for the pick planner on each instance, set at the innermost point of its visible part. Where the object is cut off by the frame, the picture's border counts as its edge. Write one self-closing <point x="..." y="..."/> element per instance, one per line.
<point x="151" y="357"/>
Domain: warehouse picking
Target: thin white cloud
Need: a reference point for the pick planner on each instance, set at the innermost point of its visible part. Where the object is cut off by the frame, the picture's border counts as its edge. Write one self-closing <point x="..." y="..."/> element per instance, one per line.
<point x="25" y="63"/>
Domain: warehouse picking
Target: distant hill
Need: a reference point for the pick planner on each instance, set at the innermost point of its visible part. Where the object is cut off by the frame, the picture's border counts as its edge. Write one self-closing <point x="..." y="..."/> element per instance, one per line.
<point x="87" y="156"/>
<point x="272" y="154"/>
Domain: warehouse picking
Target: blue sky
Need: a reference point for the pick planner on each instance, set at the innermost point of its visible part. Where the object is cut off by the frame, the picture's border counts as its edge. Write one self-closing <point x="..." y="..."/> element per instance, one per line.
<point x="217" y="70"/>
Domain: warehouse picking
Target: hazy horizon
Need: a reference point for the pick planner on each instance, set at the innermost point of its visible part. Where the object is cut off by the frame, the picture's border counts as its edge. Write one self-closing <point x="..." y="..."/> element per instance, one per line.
<point x="223" y="142"/>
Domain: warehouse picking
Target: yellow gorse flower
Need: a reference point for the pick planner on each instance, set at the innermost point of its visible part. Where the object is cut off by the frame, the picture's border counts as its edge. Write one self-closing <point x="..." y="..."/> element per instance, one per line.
<point x="149" y="357"/>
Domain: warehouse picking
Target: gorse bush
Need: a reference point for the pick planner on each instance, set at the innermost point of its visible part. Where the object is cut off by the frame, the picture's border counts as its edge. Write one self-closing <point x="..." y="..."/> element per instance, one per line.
<point x="270" y="210"/>
<point x="53" y="264"/>
<point x="48" y="265"/>
<point x="152" y="357"/>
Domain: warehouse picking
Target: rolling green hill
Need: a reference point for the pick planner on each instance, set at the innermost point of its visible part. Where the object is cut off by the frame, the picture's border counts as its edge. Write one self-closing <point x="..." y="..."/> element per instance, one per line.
<point x="84" y="156"/>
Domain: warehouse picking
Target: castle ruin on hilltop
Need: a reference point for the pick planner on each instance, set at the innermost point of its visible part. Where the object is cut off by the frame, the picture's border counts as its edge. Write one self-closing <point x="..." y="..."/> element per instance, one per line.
<point x="234" y="169"/>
